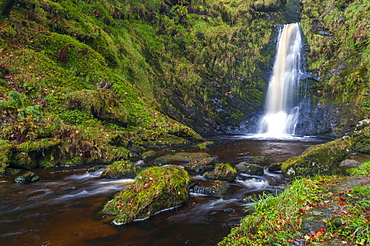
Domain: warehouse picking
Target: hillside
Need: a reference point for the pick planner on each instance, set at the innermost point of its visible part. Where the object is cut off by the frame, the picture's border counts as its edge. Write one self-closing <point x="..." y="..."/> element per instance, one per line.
<point x="86" y="81"/>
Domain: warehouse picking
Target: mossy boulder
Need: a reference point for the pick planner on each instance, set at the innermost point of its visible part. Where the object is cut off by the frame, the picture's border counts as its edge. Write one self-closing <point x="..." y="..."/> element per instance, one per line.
<point x="35" y="153"/>
<point x="180" y="157"/>
<point x="154" y="189"/>
<point x="362" y="141"/>
<point x="201" y="165"/>
<point x="121" y="169"/>
<point x="222" y="171"/>
<point x="148" y="154"/>
<point x="27" y="177"/>
<point x="322" y="159"/>
<point x="250" y="168"/>
<point x="5" y="153"/>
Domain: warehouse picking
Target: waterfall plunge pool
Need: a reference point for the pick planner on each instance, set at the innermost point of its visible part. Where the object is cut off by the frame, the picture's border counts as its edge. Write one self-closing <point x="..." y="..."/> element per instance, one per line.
<point x="64" y="207"/>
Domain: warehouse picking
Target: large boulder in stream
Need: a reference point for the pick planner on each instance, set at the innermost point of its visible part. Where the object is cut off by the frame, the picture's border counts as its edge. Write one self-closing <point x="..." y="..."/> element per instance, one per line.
<point x="222" y="171"/>
<point x="322" y="159"/>
<point x="121" y="169"/>
<point x="154" y="189"/>
<point x="249" y="168"/>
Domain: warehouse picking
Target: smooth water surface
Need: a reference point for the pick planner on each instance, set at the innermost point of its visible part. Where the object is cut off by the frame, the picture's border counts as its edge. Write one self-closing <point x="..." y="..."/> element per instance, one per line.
<point x="64" y="207"/>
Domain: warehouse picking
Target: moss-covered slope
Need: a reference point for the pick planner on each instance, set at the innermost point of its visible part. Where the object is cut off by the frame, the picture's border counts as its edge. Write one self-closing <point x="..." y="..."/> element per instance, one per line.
<point x="337" y="33"/>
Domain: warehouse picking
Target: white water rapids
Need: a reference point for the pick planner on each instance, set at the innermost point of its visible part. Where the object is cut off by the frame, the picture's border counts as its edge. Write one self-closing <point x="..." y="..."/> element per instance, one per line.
<point x="282" y="107"/>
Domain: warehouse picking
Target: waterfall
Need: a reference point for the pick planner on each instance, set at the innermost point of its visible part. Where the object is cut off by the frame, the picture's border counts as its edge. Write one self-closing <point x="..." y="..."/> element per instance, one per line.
<point x="282" y="101"/>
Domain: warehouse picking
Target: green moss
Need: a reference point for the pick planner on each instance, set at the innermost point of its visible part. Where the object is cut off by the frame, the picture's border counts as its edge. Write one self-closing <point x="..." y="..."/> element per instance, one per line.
<point x="5" y="155"/>
<point x="154" y="189"/>
<point x="363" y="169"/>
<point x="205" y="145"/>
<point x="339" y="51"/>
<point x="323" y="159"/>
<point x="121" y="169"/>
<point x="223" y="171"/>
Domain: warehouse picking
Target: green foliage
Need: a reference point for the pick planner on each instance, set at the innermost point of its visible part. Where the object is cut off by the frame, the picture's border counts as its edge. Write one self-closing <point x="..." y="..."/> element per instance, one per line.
<point x="276" y="219"/>
<point x="337" y="33"/>
<point x="363" y="169"/>
<point x="355" y="223"/>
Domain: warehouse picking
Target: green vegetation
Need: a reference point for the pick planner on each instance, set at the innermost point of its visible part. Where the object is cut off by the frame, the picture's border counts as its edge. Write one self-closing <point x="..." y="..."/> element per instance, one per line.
<point x="309" y="211"/>
<point x="337" y="33"/>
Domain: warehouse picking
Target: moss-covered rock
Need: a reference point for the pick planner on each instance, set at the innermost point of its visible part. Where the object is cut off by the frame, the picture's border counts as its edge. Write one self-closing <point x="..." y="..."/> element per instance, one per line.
<point x="222" y="171"/>
<point x="148" y="154"/>
<point x="154" y="189"/>
<point x="121" y="169"/>
<point x="362" y="141"/>
<point x="180" y="157"/>
<point x="201" y="165"/>
<point x="5" y="154"/>
<point x="322" y="159"/>
<point x="250" y="168"/>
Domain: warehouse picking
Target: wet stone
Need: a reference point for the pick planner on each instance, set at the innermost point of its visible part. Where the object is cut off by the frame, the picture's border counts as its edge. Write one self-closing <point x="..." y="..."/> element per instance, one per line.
<point x="249" y="168"/>
<point x="275" y="167"/>
<point x="199" y="166"/>
<point x="28" y="177"/>
<point x="216" y="188"/>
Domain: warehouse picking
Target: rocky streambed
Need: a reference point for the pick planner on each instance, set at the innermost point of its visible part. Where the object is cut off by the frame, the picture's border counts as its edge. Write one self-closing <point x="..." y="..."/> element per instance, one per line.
<point x="65" y="206"/>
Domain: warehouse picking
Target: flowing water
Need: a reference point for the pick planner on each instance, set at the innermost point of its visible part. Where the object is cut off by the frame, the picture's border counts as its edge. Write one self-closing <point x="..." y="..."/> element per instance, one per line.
<point x="282" y="101"/>
<point x="64" y="207"/>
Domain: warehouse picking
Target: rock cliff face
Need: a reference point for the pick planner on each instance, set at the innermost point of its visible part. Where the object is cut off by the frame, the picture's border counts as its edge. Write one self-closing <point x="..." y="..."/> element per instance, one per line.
<point x="337" y="55"/>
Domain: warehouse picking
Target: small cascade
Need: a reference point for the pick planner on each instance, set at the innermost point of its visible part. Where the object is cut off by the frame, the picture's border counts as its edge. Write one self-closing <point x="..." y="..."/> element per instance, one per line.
<point x="282" y="101"/>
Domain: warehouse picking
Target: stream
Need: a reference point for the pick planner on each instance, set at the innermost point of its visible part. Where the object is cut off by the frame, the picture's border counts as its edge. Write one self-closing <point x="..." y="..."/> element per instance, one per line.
<point x="64" y="207"/>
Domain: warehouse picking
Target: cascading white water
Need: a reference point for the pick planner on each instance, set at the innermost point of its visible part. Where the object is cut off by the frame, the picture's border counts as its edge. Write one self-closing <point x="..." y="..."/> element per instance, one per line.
<point x="282" y="109"/>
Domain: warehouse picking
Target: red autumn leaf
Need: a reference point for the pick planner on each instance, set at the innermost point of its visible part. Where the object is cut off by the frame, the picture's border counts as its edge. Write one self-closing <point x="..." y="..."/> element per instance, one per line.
<point x="302" y="210"/>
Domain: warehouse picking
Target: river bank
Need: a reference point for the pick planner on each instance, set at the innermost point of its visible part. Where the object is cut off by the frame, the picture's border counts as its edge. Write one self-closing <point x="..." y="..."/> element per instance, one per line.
<point x="325" y="210"/>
